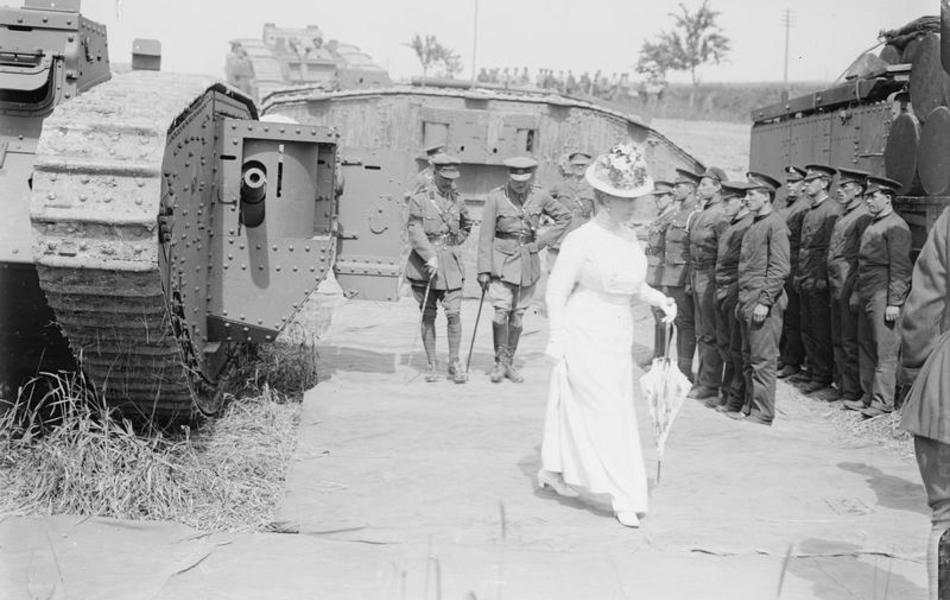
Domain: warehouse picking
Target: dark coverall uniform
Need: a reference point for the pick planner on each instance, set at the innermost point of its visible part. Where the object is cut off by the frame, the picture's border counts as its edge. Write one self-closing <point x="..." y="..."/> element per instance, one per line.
<point x="763" y="269"/>
<point x="438" y="225"/>
<point x="812" y="282"/>
<point x="729" y="336"/>
<point x="577" y="196"/>
<point x="884" y="271"/>
<point x="792" y="351"/>
<point x="656" y="246"/>
<point x="704" y="231"/>
<point x="508" y="246"/>
<point x="925" y="354"/>
<point x="842" y="276"/>
<point x="675" y="275"/>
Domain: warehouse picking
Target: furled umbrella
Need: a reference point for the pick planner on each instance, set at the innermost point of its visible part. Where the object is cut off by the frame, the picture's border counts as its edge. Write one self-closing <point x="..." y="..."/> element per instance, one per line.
<point x="665" y="388"/>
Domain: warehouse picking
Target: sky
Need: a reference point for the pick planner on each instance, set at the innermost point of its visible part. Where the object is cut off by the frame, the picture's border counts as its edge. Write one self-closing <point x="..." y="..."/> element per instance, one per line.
<point x="558" y="34"/>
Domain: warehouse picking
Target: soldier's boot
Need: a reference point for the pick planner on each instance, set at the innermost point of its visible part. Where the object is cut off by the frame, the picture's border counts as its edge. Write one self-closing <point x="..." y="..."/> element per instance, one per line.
<point x="500" y="335"/>
<point x="454" y="328"/>
<point x="511" y="371"/>
<point x="428" y="343"/>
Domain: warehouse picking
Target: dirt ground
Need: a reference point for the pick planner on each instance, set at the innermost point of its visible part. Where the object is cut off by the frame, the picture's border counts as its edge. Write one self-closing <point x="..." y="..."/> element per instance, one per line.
<point x="404" y="489"/>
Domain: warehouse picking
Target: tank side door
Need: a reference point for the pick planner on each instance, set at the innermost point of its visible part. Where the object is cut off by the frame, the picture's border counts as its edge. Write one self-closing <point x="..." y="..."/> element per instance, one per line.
<point x="371" y="223"/>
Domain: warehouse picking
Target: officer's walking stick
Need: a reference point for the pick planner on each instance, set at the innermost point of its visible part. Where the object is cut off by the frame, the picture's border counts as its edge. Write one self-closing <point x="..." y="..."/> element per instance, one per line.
<point x="478" y="316"/>
<point x="422" y="314"/>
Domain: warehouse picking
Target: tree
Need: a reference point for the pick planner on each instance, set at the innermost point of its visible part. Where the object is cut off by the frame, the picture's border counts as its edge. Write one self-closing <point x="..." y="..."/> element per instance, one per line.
<point x="695" y="40"/>
<point x="433" y="55"/>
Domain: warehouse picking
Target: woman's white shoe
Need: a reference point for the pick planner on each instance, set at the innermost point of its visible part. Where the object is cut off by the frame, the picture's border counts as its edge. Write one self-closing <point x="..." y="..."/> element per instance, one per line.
<point x="628" y="518"/>
<point x="556" y="483"/>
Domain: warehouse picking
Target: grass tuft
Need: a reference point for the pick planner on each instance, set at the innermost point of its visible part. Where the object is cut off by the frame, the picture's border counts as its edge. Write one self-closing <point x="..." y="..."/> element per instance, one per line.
<point x="67" y="452"/>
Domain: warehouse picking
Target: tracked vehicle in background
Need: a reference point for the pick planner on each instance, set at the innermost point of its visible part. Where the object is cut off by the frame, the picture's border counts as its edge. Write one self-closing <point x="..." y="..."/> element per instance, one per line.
<point x="154" y="217"/>
<point x="889" y="117"/>
<point x="288" y="57"/>
<point x="384" y="132"/>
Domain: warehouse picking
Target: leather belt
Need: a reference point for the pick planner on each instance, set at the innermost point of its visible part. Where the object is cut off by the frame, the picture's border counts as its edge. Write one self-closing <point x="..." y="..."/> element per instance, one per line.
<point x="442" y="239"/>
<point x="523" y="237"/>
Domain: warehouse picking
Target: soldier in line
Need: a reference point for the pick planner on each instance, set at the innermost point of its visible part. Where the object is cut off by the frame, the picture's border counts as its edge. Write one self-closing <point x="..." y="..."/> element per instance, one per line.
<point x="763" y="269"/>
<point x="675" y="272"/>
<point x="666" y="208"/>
<point x="704" y="230"/>
<point x="728" y="335"/>
<point x="792" y="352"/>
<point x="576" y="195"/>
<point x="884" y="271"/>
<point x="438" y="224"/>
<point x="811" y="281"/>
<point x="508" y="263"/>
<point x="842" y="276"/>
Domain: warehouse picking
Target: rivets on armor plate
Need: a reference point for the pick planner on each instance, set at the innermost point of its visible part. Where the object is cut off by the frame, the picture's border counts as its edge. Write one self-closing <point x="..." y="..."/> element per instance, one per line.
<point x="83" y="197"/>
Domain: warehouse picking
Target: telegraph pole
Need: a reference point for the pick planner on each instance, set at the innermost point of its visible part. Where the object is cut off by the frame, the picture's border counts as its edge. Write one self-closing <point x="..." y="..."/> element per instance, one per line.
<point x="474" y="41"/>
<point x="788" y="21"/>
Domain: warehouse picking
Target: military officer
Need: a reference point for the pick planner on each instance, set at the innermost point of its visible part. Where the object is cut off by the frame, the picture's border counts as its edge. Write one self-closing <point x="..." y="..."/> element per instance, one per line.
<point x="704" y="231"/>
<point x="666" y="208"/>
<point x="424" y="178"/>
<point x="792" y="352"/>
<point x="675" y="271"/>
<point x="508" y="262"/>
<point x="811" y="279"/>
<point x="728" y="335"/>
<point x="763" y="269"/>
<point x="883" y="280"/>
<point x="576" y="195"/>
<point x="842" y="271"/>
<point x="437" y="226"/>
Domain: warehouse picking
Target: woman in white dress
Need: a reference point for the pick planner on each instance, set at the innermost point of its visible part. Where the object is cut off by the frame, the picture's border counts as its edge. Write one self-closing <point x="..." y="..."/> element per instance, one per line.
<point x="591" y="439"/>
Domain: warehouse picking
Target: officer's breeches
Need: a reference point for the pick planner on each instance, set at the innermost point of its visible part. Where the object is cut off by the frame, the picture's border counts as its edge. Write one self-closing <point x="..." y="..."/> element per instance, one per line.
<point x="704" y="298"/>
<point x="792" y="351"/>
<point x="685" y="329"/>
<point x="879" y="343"/>
<point x="759" y="358"/>
<point x="844" y="334"/>
<point x="816" y="332"/>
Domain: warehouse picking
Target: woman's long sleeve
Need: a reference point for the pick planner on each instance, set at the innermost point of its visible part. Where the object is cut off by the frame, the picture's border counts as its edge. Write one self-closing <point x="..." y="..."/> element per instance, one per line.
<point x="561" y="281"/>
<point x="651" y="296"/>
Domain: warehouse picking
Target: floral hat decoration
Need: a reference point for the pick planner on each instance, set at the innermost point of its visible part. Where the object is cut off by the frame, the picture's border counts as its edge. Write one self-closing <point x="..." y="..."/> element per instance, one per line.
<point x="621" y="171"/>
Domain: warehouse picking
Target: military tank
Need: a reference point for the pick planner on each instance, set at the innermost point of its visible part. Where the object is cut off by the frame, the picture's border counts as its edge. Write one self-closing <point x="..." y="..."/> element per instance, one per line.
<point x="287" y="57"/>
<point x="889" y="116"/>
<point x="385" y="131"/>
<point x="153" y="216"/>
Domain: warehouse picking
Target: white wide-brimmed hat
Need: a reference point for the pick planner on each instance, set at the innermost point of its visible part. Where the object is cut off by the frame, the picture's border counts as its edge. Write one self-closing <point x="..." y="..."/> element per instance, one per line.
<point x="621" y="171"/>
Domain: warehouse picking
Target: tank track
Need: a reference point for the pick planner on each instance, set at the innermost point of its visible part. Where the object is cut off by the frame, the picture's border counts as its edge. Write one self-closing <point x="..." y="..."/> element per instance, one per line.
<point x="101" y="182"/>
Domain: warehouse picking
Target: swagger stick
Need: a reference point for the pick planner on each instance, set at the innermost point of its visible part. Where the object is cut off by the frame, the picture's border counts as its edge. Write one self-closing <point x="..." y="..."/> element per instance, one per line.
<point x="481" y="302"/>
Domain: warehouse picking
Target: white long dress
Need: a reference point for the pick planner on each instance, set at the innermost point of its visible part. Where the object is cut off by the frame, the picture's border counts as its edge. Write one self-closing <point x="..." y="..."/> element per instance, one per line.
<point x="590" y="429"/>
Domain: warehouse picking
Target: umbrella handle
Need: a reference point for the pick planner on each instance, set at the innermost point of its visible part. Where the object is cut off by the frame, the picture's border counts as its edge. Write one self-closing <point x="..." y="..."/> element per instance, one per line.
<point x="669" y="339"/>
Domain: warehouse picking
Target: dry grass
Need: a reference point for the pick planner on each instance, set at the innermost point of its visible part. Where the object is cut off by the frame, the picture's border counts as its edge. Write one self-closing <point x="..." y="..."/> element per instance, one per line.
<point x="883" y="430"/>
<point x="225" y="475"/>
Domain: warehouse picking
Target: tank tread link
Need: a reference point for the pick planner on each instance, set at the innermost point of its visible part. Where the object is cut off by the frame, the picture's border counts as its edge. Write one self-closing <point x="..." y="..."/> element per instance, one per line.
<point x="96" y="212"/>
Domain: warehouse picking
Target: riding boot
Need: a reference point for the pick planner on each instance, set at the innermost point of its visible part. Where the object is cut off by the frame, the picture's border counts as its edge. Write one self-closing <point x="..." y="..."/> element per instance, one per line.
<point x="511" y="371"/>
<point x="428" y="343"/>
<point x="454" y="329"/>
<point x="500" y="335"/>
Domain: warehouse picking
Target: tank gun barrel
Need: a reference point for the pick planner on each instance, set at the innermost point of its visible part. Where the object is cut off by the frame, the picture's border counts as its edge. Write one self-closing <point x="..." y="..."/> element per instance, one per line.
<point x="253" y="191"/>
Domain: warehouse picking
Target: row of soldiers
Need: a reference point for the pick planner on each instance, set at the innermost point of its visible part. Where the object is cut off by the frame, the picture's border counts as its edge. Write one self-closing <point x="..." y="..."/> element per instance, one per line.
<point x="598" y="84"/>
<point x="836" y="272"/>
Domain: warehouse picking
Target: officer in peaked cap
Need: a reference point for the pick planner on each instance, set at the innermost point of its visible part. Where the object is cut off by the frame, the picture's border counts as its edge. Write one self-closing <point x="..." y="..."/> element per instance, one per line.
<point x="811" y="280"/>
<point x="666" y="208"/>
<point x="423" y="178"/>
<point x="704" y="231"/>
<point x="763" y="269"/>
<point x="728" y="335"/>
<point x="883" y="282"/>
<point x="508" y="263"/>
<point x="842" y="275"/>
<point x="791" y="350"/>
<point x="675" y="266"/>
<point x="438" y="225"/>
<point x="577" y="196"/>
